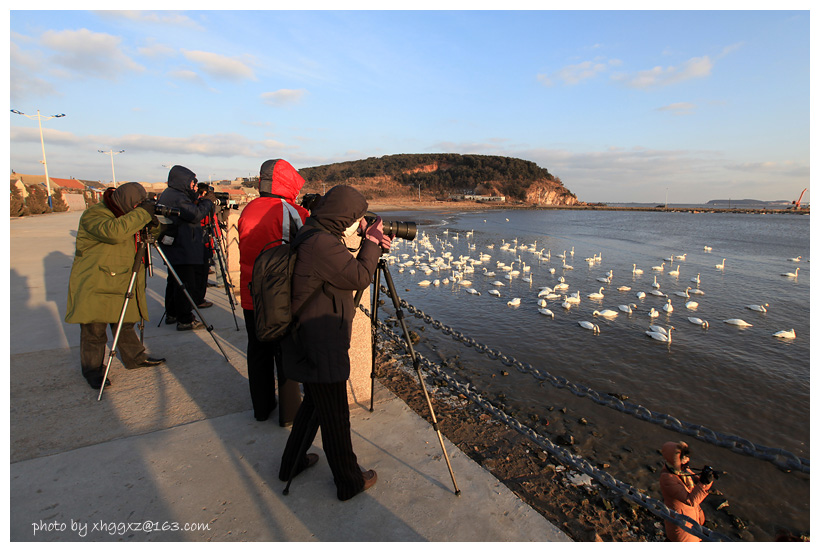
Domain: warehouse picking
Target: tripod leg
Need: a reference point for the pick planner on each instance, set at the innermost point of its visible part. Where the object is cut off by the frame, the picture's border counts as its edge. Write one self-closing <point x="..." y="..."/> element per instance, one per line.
<point x="400" y="316"/>
<point x="374" y="318"/>
<point x="190" y="299"/>
<point x="226" y="279"/>
<point x="128" y="294"/>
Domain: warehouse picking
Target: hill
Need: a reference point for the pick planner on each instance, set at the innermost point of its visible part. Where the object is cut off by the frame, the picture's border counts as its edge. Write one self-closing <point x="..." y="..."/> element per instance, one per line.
<point x="443" y="176"/>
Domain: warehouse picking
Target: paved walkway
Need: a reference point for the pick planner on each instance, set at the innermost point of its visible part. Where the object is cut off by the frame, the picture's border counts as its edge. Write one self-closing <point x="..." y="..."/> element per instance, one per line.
<point x="177" y="444"/>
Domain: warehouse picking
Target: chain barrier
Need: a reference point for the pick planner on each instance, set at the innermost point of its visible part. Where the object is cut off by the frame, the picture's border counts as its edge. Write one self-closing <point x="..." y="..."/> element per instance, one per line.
<point x="781" y="458"/>
<point x="656" y="507"/>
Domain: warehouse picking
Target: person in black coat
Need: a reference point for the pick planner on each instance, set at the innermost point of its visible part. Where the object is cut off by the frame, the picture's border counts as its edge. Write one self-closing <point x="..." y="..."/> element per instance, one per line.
<point x="184" y="244"/>
<point x="324" y="330"/>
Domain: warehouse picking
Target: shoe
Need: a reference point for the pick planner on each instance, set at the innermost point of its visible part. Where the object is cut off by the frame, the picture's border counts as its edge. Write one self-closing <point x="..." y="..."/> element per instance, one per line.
<point x="205" y="305"/>
<point x="194" y="325"/>
<point x="370" y="479"/>
<point x="311" y="460"/>
<point x="150" y="361"/>
<point x="96" y="382"/>
<point x="170" y="320"/>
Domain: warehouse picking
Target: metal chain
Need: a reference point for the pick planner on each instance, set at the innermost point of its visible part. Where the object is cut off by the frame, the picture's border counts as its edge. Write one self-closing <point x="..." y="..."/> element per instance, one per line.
<point x="629" y="492"/>
<point x="781" y="458"/>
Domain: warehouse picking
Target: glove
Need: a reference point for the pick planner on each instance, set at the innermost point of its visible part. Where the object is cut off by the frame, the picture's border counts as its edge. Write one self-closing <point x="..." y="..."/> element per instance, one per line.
<point x="149" y="205"/>
<point x="375" y="232"/>
<point x="707" y="475"/>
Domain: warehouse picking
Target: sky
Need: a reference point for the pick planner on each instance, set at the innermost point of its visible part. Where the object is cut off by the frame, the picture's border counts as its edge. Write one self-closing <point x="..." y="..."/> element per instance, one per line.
<point x="622" y="106"/>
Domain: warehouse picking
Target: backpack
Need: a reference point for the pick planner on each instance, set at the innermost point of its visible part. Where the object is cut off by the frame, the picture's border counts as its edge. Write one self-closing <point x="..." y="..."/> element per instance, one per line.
<point x="270" y="287"/>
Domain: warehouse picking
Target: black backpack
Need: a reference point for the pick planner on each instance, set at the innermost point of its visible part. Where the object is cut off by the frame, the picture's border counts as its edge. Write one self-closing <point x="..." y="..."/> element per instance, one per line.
<point x="270" y="287"/>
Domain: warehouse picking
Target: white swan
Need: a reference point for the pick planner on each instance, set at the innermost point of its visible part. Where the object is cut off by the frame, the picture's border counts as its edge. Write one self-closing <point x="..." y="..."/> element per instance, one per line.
<point x="497" y="283"/>
<point x="722" y="265"/>
<point x="514" y="302"/>
<point x="640" y="295"/>
<point x="662" y="337"/>
<point x="707" y="248"/>
<point x="758" y="308"/>
<point x="683" y="293"/>
<point x="700" y="322"/>
<point x="547" y="312"/>
<point x="791" y="274"/>
<point x="659" y="329"/>
<point x="796" y="259"/>
<point x="606" y="313"/>
<point x="566" y="304"/>
<point x="738" y="322"/>
<point x="561" y="287"/>
<point x="681" y="257"/>
<point x="425" y="283"/>
<point x="783" y="334"/>
<point x="597" y="295"/>
<point x="628" y="308"/>
<point x="472" y="291"/>
<point x="668" y="306"/>
<point x="436" y="282"/>
<point x="691" y="305"/>
<point x="572" y="299"/>
<point x="624" y="288"/>
<point x="544" y="292"/>
<point x="636" y="270"/>
<point x="590" y="326"/>
<point x="657" y="293"/>
<point x="659" y="268"/>
<point x="655" y="284"/>
<point x="697" y="292"/>
<point x="494" y="292"/>
<point x="653" y="313"/>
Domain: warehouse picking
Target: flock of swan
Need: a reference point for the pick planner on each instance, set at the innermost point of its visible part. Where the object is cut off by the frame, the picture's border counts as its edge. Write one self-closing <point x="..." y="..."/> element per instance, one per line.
<point x="432" y="257"/>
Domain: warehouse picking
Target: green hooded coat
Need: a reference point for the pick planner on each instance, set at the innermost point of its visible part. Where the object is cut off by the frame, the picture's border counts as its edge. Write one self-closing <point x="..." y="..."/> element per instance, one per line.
<point x="103" y="261"/>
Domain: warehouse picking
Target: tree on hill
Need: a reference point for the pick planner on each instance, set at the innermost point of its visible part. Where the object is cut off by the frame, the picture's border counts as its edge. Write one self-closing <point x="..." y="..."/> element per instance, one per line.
<point x="37" y="200"/>
<point x="57" y="202"/>
<point x="18" y="205"/>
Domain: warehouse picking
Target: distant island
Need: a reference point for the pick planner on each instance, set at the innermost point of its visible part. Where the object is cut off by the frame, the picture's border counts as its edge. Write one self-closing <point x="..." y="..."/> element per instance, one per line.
<point x="444" y="177"/>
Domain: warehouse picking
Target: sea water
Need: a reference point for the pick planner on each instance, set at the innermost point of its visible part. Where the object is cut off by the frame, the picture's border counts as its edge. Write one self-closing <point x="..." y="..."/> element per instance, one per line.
<point x="736" y="380"/>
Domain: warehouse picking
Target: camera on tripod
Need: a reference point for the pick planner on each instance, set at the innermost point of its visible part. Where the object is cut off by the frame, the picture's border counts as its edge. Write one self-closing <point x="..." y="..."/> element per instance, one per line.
<point x="405" y="230"/>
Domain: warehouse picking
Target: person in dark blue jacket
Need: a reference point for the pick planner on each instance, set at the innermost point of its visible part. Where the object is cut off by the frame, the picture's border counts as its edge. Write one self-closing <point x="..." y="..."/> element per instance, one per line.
<point x="184" y="244"/>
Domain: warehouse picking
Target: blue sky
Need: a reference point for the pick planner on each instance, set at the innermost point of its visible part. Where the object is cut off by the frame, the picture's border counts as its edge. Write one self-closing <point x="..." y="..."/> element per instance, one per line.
<point x="623" y="106"/>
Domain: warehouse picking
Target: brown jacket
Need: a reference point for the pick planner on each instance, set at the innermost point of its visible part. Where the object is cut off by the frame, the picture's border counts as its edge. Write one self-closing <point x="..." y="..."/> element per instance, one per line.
<point x="682" y="493"/>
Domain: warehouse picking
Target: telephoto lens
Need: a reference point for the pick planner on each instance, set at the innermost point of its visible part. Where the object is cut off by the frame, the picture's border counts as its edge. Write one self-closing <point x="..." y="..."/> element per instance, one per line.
<point x="398" y="229"/>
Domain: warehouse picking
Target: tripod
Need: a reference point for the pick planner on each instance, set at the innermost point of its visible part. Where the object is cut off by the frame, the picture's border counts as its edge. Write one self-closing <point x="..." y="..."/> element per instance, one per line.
<point x="212" y="231"/>
<point x="143" y="254"/>
<point x="382" y="269"/>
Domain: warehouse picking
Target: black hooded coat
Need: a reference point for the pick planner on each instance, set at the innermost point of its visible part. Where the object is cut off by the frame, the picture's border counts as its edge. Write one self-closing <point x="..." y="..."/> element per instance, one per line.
<point x="325" y="324"/>
<point x="189" y="241"/>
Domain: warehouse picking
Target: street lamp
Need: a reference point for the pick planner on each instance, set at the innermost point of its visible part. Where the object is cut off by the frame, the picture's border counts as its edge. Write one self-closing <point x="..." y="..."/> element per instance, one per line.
<point x="112" y="153"/>
<point x="42" y="143"/>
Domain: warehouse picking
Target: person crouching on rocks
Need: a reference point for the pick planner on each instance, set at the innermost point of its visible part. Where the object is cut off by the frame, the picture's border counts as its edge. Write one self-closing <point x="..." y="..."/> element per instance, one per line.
<point x="683" y="490"/>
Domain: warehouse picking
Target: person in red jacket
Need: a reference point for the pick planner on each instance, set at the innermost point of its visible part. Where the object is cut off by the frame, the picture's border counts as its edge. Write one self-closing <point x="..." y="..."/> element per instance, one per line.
<point x="272" y="217"/>
<point x="682" y="490"/>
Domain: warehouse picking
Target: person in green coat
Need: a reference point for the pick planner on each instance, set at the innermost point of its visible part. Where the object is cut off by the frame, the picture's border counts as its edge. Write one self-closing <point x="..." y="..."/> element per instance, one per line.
<point x="100" y="275"/>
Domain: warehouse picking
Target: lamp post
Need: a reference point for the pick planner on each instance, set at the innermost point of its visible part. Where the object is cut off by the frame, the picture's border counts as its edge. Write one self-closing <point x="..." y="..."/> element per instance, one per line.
<point x="112" y="153"/>
<point x="42" y="143"/>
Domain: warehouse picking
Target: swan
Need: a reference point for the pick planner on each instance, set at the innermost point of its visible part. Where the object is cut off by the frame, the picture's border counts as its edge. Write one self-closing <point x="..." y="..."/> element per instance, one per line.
<point x="659" y="268"/>
<point x="544" y="292"/>
<point x="697" y="292"/>
<point x="668" y="306"/>
<point x="662" y="337"/>
<point x="604" y="280"/>
<point x="791" y="274"/>
<point x="514" y="302"/>
<point x="738" y="322"/>
<point x="659" y="329"/>
<point x="681" y="257"/>
<point x="552" y="270"/>
<point x="498" y="284"/>
<point x="657" y="293"/>
<point x="590" y="326"/>
<point x="542" y="302"/>
<point x="683" y="293"/>
<point x="696" y="279"/>
<point x="670" y="258"/>
<point x="624" y="288"/>
<point x="565" y="266"/>
<point x="758" y="308"/>
<point x="494" y="292"/>
<point x="707" y="248"/>
<point x="691" y="305"/>
<point x="675" y="272"/>
<point x="597" y="295"/>
<point x="487" y="273"/>
<point x="425" y="283"/>
<point x="566" y="304"/>
<point x="606" y="313"/>
<point x="653" y="313"/>
<point x="547" y="312"/>
<point x="700" y="322"/>
<point x="636" y="270"/>
<point x="721" y="265"/>
<point x="640" y="295"/>
<point x="465" y="283"/>
<point x="655" y="284"/>
<point x="628" y="308"/>
<point x="561" y="287"/>
<point x="572" y="299"/>
<point x="783" y="334"/>
<point x="436" y="282"/>
<point x="796" y="259"/>
<point x="472" y="291"/>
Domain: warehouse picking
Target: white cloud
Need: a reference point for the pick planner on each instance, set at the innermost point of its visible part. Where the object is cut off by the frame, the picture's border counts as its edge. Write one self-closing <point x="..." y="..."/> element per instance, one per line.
<point x="283" y="97"/>
<point x="574" y="74"/>
<point x="173" y="19"/>
<point x="694" y="68"/>
<point x="156" y="50"/>
<point x="220" y="66"/>
<point x="680" y="108"/>
<point x="86" y="53"/>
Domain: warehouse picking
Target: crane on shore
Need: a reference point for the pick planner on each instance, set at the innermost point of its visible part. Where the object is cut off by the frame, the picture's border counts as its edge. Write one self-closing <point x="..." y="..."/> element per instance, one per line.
<point x="797" y="203"/>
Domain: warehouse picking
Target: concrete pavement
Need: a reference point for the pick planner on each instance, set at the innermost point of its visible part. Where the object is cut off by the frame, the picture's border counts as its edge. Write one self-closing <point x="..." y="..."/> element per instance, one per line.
<point x="178" y="444"/>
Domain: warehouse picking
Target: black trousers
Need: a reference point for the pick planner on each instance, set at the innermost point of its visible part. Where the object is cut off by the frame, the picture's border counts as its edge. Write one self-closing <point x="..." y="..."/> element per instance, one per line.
<point x="93" y="339"/>
<point x="201" y="283"/>
<point x="264" y="371"/>
<point x="325" y="405"/>
<point x="176" y="303"/>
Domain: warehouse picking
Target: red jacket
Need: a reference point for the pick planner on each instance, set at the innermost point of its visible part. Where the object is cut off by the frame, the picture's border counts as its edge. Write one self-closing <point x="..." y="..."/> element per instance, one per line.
<point x="267" y="219"/>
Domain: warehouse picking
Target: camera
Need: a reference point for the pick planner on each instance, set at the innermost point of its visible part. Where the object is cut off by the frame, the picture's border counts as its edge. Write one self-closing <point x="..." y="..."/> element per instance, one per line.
<point x="161" y="209"/>
<point x="309" y="201"/>
<point x="400" y="229"/>
<point x="223" y="199"/>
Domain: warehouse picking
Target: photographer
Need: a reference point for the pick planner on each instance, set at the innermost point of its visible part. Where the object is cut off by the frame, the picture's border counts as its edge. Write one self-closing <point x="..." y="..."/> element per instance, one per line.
<point x="325" y="326"/>
<point x="683" y="490"/>
<point x="271" y="217"/>
<point x="100" y="276"/>
<point x="184" y="245"/>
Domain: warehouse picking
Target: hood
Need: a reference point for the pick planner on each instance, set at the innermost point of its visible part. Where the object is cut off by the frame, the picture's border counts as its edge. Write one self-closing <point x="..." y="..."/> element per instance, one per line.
<point x="340" y="207"/>
<point x="123" y="198"/>
<point x="278" y="177"/>
<point x="179" y="178"/>
<point x="669" y="450"/>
